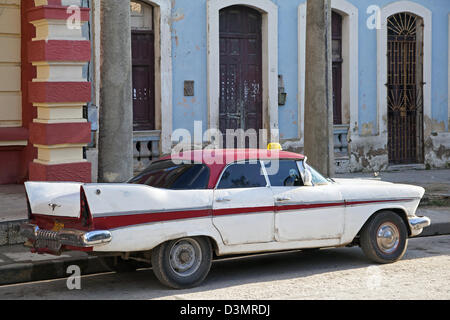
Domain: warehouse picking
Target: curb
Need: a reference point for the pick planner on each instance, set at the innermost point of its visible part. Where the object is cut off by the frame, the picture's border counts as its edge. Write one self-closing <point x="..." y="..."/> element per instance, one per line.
<point x="10" y="233"/>
<point x="50" y="269"/>
<point x="437" y="229"/>
<point x="435" y="199"/>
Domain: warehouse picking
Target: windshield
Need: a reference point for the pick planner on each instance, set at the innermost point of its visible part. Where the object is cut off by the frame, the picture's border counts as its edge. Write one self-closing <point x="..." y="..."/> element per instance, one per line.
<point x="167" y="175"/>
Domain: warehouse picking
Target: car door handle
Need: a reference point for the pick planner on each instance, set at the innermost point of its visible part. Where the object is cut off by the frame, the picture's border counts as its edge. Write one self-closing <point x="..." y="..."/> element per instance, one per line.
<point x="223" y="200"/>
<point x="283" y="199"/>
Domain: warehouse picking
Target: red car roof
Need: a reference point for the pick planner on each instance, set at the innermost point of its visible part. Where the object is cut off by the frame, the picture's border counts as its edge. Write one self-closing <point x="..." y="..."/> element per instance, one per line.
<point x="218" y="159"/>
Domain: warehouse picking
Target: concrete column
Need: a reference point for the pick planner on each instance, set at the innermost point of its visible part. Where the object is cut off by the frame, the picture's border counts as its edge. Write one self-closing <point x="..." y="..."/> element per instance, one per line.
<point x="115" y="161"/>
<point x="59" y="91"/>
<point x="319" y="87"/>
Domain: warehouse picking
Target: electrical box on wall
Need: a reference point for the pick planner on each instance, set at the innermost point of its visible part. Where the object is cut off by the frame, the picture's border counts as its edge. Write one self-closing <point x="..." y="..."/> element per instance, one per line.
<point x="282" y="95"/>
<point x="189" y="88"/>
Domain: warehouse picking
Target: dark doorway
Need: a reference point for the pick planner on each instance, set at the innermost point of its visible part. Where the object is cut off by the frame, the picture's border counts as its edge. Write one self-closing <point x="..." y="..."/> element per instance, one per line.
<point x="405" y="88"/>
<point x="337" y="67"/>
<point x="143" y="53"/>
<point x="240" y="69"/>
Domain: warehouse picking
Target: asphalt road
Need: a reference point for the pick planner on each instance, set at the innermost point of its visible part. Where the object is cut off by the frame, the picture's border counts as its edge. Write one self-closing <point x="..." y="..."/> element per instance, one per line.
<point x="342" y="273"/>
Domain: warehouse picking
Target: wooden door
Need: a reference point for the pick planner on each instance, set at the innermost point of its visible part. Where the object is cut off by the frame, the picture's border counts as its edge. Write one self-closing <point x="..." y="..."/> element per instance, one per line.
<point x="143" y="53"/>
<point x="240" y="69"/>
<point x="337" y="67"/>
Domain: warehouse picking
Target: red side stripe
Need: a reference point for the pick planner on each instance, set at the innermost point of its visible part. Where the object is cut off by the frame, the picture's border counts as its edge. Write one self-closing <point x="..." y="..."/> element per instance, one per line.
<point x="231" y="211"/>
<point x="113" y="222"/>
<point x="309" y="206"/>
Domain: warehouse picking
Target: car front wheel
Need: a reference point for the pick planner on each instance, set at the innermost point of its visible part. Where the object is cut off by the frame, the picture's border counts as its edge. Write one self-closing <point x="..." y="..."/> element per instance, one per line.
<point x="384" y="238"/>
<point x="182" y="263"/>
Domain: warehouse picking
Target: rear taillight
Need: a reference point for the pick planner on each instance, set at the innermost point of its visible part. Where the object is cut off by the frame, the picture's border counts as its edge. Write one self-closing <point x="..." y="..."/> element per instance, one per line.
<point x="30" y="214"/>
<point x="85" y="213"/>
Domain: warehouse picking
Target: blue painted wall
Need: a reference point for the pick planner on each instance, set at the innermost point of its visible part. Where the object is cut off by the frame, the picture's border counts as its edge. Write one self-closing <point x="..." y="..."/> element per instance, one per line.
<point x="190" y="62"/>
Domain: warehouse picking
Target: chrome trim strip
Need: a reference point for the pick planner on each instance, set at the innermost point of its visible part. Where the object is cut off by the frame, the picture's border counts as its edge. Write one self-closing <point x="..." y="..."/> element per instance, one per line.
<point x="375" y="201"/>
<point x="139" y="212"/>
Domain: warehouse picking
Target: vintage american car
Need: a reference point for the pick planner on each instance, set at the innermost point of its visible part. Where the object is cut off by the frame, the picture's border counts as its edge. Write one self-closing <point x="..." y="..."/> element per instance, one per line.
<point x="184" y="209"/>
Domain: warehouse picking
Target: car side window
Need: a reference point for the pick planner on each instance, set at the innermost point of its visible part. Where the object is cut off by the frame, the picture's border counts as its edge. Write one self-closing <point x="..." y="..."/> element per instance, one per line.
<point x="243" y="175"/>
<point x="168" y="175"/>
<point x="287" y="174"/>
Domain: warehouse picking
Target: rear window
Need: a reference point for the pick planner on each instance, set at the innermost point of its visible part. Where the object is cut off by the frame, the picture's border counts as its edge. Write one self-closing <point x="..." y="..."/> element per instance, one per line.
<point x="167" y="175"/>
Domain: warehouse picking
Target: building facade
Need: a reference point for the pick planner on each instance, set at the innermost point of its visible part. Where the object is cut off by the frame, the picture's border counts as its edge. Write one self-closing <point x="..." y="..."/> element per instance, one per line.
<point x="222" y="64"/>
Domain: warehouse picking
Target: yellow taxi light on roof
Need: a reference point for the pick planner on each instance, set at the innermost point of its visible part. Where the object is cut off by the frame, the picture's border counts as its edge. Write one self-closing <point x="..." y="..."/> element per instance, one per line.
<point x="274" y="146"/>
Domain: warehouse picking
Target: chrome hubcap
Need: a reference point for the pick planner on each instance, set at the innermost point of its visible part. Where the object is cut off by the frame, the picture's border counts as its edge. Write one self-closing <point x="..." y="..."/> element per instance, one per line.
<point x="185" y="257"/>
<point x="388" y="237"/>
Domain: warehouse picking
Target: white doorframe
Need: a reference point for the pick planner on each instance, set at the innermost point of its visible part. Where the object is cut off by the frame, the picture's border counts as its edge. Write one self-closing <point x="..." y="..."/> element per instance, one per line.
<point x="162" y="16"/>
<point x="269" y="13"/>
<point x="350" y="78"/>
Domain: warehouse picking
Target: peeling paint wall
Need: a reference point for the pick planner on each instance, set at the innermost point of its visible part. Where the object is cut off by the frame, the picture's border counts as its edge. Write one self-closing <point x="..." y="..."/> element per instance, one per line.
<point x="368" y="149"/>
<point x="437" y="150"/>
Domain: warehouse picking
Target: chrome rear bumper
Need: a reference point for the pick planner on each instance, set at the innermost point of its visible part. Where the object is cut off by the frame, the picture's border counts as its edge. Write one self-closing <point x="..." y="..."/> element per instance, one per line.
<point x="54" y="240"/>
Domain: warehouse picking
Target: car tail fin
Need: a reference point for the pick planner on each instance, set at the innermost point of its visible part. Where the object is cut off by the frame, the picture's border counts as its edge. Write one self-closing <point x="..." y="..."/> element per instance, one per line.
<point x="57" y="199"/>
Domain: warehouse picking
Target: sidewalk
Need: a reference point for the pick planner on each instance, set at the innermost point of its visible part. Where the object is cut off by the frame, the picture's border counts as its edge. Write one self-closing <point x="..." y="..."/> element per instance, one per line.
<point x="19" y="265"/>
<point x="13" y="211"/>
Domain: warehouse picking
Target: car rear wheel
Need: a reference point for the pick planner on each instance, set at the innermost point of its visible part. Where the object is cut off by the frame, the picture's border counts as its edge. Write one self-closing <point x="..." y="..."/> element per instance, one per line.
<point x="384" y="239"/>
<point x="182" y="263"/>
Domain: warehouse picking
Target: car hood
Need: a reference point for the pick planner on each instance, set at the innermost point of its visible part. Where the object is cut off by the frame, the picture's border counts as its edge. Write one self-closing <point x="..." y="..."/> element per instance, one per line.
<point x="357" y="189"/>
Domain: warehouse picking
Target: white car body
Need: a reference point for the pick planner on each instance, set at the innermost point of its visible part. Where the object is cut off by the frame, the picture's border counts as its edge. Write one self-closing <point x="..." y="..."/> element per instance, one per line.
<point x="239" y="221"/>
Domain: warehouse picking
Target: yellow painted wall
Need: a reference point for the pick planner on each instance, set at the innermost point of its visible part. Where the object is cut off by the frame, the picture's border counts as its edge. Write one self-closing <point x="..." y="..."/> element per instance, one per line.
<point x="10" y="60"/>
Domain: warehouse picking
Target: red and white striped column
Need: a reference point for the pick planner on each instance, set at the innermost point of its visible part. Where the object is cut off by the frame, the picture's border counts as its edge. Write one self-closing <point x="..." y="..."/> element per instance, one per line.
<point x="59" y="52"/>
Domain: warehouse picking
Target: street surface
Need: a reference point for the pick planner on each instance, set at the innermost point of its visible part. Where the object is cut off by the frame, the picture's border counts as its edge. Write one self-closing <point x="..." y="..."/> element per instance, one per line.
<point x="342" y="273"/>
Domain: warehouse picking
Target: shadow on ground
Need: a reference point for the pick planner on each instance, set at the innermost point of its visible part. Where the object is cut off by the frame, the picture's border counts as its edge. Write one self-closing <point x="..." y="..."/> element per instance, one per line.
<point x="224" y="274"/>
